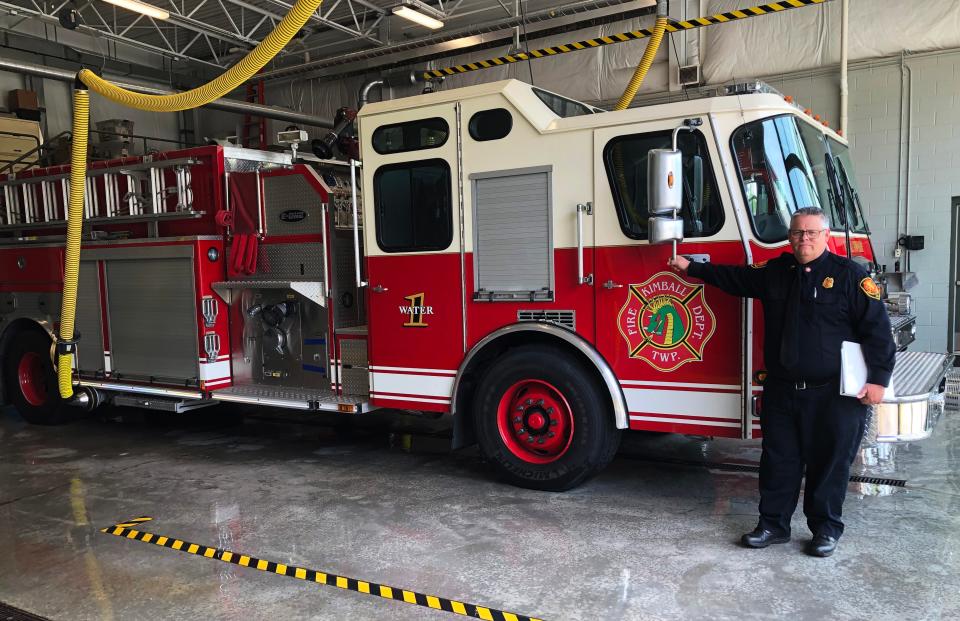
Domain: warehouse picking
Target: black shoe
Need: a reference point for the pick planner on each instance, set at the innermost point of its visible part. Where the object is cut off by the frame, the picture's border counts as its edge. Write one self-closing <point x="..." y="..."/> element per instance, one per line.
<point x="822" y="545"/>
<point x="760" y="538"/>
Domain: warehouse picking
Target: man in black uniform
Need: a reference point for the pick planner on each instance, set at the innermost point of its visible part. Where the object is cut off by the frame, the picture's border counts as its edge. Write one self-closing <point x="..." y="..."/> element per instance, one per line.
<point x="813" y="300"/>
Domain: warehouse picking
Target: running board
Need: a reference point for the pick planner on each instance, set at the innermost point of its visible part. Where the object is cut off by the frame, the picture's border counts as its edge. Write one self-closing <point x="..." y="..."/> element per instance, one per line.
<point x="293" y="398"/>
<point x="177" y="406"/>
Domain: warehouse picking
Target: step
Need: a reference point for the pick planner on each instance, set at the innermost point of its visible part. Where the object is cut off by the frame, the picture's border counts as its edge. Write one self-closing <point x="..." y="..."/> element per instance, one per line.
<point x="316" y="399"/>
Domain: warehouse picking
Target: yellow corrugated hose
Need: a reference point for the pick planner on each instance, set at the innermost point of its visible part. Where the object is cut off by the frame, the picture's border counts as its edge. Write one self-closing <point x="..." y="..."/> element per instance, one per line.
<point x="233" y="77"/>
<point x="645" y="62"/>
<point x="71" y="260"/>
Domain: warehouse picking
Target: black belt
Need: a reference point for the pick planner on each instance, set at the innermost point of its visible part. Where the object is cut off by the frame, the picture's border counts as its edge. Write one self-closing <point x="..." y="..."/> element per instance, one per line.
<point x="801" y="384"/>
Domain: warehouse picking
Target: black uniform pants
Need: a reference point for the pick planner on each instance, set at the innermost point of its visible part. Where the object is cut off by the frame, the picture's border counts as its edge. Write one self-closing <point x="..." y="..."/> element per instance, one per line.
<point x="817" y="429"/>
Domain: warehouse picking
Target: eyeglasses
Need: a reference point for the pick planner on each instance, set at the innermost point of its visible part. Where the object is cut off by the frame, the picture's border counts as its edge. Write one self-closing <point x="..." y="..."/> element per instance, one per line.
<point x="805" y="233"/>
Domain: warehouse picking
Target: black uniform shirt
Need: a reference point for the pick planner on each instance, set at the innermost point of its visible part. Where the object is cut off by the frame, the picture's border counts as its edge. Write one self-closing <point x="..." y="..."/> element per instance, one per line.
<point x="838" y="302"/>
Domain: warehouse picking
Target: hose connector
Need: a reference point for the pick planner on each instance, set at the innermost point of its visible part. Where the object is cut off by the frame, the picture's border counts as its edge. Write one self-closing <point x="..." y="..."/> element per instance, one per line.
<point x="67" y="346"/>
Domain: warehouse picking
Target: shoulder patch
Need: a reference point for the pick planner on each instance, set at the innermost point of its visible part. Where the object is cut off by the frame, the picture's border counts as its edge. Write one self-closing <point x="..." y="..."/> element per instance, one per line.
<point x="870" y="288"/>
<point x="759" y="264"/>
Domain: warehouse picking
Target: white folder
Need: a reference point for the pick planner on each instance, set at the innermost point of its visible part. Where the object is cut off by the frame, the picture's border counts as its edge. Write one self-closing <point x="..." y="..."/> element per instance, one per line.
<point x="853" y="371"/>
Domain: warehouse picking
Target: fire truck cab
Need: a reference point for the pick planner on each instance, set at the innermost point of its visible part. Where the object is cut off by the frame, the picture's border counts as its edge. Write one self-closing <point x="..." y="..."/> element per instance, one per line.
<point x="496" y="254"/>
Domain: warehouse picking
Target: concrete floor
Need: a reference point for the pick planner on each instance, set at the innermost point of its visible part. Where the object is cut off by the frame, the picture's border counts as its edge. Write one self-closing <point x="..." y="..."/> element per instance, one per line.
<point x="644" y="540"/>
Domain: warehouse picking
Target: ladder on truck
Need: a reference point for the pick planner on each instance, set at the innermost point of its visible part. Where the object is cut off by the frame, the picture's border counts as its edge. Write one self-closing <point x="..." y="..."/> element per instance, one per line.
<point x="143" y="190"/>
<point x="250" y="139"/>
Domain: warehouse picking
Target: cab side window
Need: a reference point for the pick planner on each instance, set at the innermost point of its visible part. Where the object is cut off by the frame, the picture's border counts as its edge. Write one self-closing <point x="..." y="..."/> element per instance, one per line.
<point x="625" y="160"/>
<point x="413" y="206"/>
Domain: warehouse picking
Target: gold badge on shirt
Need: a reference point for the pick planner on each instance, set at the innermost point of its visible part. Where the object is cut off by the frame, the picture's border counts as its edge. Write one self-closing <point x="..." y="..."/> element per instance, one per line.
<point x="828" y="283"/>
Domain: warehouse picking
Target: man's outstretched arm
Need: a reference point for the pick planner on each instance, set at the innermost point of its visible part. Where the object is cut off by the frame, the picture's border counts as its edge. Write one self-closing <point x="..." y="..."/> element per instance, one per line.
<point x="742" y="281"/>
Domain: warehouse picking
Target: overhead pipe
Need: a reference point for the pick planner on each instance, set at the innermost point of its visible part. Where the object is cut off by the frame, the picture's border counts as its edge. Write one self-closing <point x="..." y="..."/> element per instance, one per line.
<point x="365" y="92"/>
<point x="227" y="105"/>
<point x="844" y="60"/>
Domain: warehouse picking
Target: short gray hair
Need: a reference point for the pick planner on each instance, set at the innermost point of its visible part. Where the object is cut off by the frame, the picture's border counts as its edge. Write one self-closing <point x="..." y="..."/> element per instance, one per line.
<point x="811" y="211"/>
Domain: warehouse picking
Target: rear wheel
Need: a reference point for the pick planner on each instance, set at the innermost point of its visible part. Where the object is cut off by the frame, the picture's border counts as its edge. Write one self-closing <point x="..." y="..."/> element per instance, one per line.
<point x="31" y="382"/>
<point x="542" y="420"/>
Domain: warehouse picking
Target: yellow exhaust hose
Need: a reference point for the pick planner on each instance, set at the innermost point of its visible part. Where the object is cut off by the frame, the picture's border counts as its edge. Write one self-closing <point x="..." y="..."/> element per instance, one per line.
<point x="233" y="77"/>
<point x="645" y="62"/>
<point x="71" y="260"/>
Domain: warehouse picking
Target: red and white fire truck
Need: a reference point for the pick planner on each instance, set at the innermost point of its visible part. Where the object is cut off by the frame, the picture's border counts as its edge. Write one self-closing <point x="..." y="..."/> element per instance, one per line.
<point x="496" y="256"/>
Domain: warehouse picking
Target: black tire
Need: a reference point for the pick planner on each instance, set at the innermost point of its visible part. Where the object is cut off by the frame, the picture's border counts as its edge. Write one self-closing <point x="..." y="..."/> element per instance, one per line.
<point x="31" y="382"/>
<point x="514" y="430"/>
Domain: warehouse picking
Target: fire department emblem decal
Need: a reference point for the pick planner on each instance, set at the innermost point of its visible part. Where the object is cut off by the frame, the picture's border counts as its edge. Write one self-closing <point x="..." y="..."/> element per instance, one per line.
<point x="666" y="321"/>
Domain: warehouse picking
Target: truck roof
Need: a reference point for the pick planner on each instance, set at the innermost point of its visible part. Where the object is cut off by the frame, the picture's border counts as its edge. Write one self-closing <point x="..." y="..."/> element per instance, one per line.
<point x="524" y="98"/>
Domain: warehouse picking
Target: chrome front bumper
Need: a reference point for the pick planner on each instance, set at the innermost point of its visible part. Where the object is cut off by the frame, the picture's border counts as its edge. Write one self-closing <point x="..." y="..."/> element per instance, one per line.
<point x="918" y="383"/>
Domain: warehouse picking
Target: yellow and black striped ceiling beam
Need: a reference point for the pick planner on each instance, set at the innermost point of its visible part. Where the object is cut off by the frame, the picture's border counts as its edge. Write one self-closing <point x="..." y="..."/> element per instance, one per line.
<point x="633" y="35"/>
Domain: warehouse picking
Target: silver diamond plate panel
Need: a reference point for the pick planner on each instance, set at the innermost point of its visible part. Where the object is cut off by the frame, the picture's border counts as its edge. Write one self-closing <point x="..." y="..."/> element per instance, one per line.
<point x="289" y="262"/>
<point x="353" y="352"/>
<point x="299" y="398"/>
<point x="238" y="159"/>
<point x="349" y="304"/>
<point x="355" y="382"/>
<point x="291" y="192"/>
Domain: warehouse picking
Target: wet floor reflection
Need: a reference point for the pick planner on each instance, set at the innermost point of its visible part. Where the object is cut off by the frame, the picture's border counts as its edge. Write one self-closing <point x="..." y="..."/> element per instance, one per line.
<point x="654" y="536"/>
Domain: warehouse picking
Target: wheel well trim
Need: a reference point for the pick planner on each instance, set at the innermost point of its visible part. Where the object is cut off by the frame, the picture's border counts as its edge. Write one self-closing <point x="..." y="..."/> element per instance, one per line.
<point x="582" y="345"/>
<point x="21" y="322"/>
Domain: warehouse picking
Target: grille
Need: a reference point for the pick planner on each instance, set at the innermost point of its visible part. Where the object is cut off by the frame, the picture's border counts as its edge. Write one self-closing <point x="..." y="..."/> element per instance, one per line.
<point x="565" y="318"/>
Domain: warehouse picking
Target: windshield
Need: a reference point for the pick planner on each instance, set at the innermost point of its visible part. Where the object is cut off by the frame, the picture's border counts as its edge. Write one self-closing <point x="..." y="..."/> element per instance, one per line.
<point x="783" y="167"/>
<point x="841" y="154"/>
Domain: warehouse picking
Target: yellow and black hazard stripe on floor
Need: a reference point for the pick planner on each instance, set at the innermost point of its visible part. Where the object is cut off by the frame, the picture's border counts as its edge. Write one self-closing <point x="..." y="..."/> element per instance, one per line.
<point x="128" y="531"/>
<point x="633" y="35"/>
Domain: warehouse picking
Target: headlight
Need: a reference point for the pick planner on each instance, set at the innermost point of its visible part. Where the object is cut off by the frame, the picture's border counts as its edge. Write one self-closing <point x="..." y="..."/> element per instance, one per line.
<point x="911" y="420"/>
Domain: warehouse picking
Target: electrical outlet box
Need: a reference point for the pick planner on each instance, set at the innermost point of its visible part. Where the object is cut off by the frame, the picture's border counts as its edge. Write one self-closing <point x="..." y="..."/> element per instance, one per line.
<point x="897" y="252"/>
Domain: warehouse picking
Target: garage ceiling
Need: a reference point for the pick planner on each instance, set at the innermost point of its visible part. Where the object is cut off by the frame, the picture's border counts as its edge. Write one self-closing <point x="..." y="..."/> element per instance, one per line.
<point x="211" y="34"/>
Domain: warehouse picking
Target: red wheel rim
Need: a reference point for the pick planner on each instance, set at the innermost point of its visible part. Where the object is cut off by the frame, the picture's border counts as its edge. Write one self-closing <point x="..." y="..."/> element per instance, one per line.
<point x="33" y="378"/>
<point x="535" y="421"/>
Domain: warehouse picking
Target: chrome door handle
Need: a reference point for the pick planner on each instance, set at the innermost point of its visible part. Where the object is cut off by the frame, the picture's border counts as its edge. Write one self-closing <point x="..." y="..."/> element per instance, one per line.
<point x="379" y="289"/>
<point x="581" y="209"/>
<point x="612" y="285"/>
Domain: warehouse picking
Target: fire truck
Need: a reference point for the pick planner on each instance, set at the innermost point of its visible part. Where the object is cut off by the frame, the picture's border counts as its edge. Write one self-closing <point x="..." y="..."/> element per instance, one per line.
<point x="496" y="253"/>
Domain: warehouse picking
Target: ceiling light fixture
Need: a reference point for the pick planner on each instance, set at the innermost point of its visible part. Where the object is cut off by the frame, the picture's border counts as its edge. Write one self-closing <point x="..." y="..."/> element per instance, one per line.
<point x="420" y="13"/>
<point x="141" y="7"/>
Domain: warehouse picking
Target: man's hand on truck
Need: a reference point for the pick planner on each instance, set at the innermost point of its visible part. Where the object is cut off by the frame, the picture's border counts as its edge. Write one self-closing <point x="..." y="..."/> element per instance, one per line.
<point x="679" y="263"/>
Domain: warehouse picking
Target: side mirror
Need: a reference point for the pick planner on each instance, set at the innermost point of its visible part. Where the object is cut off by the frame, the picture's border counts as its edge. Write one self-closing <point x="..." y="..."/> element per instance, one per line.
<point x="664" y="181"/>
<point x="664" y="195"/>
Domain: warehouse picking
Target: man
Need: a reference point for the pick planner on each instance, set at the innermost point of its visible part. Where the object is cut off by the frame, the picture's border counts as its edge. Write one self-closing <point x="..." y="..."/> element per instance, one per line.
<point x="813" y="300"/>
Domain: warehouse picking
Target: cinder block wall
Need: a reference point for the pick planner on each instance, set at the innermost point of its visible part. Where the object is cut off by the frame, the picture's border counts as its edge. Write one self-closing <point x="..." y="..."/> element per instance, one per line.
<point x="876" y="95"/>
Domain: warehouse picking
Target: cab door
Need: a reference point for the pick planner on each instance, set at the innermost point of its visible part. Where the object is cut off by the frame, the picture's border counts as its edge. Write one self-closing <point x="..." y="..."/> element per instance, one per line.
<point x="674" y="344"/>
<point x="412" y="239"/>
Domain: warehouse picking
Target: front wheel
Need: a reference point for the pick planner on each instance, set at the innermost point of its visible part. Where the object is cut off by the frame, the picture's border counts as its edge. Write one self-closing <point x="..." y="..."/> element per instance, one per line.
<point x="31" y="381"/>
<point x="542" y="420"/>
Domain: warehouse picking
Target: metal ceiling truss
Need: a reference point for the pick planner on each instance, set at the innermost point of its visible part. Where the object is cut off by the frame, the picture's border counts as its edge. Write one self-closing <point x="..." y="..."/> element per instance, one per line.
<point x="572" y="14"/>
<point x="182" y="36"/>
